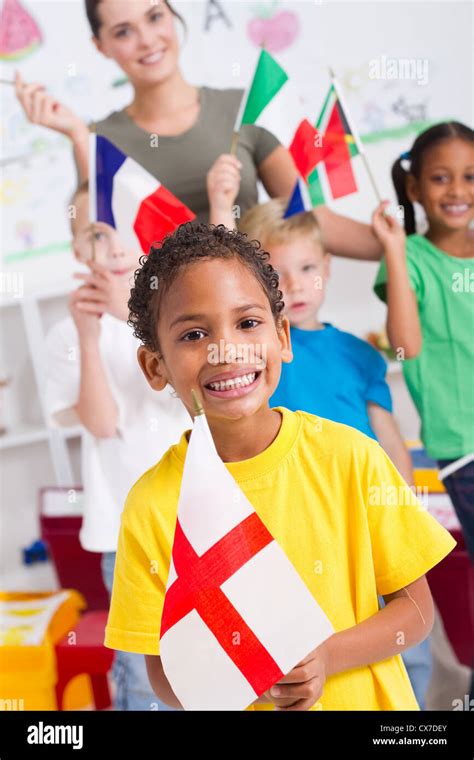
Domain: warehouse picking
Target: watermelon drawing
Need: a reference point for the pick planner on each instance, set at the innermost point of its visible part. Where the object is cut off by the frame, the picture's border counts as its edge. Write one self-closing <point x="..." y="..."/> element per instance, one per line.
<point x="19" y="32"/>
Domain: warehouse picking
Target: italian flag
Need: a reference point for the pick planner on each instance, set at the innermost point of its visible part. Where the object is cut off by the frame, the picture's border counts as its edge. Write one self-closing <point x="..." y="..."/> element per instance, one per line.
<point x="268" y="79"/>
<point x="341" y="143"/>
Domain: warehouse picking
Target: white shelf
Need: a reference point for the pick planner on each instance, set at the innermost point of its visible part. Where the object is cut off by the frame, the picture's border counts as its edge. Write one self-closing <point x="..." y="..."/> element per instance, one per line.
<point x="58" y="291"/>
<point x="25" y="435"/>
<point x="39" y="576"/>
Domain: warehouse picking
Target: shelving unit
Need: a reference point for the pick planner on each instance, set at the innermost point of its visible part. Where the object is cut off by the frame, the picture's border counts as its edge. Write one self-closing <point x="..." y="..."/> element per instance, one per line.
<point x="23" y="432"/>
<point x="33" y="454"/>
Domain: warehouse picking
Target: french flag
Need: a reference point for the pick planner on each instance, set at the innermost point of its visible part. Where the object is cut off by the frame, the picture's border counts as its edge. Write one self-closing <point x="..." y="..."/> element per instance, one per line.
<point x="300" y="200"/>
<point x="127" y="197"/>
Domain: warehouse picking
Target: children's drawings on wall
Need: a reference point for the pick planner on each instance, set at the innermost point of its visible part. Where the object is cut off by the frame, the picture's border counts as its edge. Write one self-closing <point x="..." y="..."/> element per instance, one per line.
<point x="378" y="104"/>
<point x="410" y="111"/>
<point x="276" y="30"/>
<point x="20" y="35"/>
<point x="38" y="173"/>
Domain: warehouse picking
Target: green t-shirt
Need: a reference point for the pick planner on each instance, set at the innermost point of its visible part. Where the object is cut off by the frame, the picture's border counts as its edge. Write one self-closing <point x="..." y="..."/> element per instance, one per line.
<point x="181" y="162"/>
<point x="441" y="378"/>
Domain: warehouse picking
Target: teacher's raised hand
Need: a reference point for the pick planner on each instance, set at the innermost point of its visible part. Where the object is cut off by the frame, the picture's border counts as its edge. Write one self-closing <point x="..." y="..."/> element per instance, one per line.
<point x="42" y="108"/>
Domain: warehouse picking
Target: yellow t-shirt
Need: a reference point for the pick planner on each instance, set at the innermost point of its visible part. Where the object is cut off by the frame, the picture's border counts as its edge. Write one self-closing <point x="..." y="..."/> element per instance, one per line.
<point x="339" y="509"/>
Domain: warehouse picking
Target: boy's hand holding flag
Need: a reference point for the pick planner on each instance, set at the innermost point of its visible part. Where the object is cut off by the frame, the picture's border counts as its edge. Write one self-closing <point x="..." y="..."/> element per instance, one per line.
<point x="237" y="617"/>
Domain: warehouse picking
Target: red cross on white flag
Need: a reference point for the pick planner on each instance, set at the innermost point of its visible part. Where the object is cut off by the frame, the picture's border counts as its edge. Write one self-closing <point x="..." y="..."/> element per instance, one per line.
<point x="237" y="616"/>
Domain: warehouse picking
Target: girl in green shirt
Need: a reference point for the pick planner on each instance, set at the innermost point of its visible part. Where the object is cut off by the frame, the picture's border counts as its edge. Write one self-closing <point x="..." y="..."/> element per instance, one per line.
<point x="427" y="282"/>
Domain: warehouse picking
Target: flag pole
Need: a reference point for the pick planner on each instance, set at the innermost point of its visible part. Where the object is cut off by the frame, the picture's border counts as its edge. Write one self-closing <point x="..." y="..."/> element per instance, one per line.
<point x="233" y="146"/>
<point x="240" y="113"/>
<point x="355" y="134"/>
<point x="198" y="407"/>
<point x="92" y="187"/>
<point x="237" y="124"/>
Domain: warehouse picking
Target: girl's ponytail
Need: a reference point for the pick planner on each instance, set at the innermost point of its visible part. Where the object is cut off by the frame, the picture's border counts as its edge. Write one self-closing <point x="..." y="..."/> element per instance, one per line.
<point x="399" y="175"/>
<point x="445" y="131"/>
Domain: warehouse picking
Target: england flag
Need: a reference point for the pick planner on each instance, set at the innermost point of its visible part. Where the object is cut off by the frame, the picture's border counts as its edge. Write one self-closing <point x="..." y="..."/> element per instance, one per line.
<point x="237" y="616"/>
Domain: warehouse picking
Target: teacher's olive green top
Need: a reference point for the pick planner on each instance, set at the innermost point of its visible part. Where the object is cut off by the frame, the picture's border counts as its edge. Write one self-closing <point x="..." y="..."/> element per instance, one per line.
<point x="181" y="162"/>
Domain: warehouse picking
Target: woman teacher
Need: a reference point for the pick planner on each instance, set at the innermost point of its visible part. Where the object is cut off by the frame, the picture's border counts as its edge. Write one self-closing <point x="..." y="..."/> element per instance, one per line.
<point x="176" y="130"/>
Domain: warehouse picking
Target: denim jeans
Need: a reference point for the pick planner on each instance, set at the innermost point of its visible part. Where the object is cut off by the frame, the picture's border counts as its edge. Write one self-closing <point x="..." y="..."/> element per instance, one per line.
<point x="133" y="689"/>
<point x="460" y="487"/>
<point x="417" y="661"/>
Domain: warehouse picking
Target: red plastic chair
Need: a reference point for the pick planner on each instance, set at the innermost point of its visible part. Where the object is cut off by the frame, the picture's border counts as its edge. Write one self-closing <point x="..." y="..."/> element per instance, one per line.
<point x="75" y="567"/>
<point x="87" y="655"/>
<point x="452" y="586"/>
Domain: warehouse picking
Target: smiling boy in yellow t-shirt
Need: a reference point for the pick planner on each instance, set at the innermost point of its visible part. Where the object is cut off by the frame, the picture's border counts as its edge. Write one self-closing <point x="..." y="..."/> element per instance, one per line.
<point x="328" y="494"/>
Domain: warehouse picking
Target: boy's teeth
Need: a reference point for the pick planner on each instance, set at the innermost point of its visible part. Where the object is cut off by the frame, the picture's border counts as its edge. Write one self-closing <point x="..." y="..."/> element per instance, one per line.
<point x="235" y="382"/>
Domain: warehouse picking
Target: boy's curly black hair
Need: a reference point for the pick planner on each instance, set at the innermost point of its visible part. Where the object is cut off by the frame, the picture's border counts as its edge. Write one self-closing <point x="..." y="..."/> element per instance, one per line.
<point x="189" y="243"/>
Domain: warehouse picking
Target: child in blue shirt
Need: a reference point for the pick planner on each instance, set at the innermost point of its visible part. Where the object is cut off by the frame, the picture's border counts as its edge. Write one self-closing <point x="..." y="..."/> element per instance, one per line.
<point x="333" y="374"/>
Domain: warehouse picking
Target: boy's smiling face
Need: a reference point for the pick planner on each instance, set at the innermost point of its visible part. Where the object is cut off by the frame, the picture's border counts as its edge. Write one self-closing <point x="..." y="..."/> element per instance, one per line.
<point x="218" y="307"/>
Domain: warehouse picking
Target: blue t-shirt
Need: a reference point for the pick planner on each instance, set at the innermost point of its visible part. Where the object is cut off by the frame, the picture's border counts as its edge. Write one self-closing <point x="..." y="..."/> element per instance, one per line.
<point x="334" y="375"/>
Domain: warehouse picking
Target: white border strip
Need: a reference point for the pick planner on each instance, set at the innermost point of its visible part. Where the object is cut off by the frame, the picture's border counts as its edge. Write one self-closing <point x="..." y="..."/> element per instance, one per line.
<point x="457" y="465"/>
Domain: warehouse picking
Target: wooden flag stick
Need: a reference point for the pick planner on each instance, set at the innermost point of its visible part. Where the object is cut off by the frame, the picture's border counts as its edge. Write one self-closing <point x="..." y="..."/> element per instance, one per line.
<point x="371" y="177"/>
<point x="238" y="123"/>
<point x="93" y="251"/>
<point x="92" y="188"/>
<point x="240" y="113"/>
<point x="198" y="407"/>
<point x="355" y="134"/>
<point x="235" y="139"/>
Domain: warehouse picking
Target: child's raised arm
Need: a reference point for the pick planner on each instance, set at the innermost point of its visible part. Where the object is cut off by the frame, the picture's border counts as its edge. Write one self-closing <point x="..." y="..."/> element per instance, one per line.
<point x="388" y="435"/>
<point x="96" y="406"/>
<point x="403" y="322"/>
<point x="223" y="183"/>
